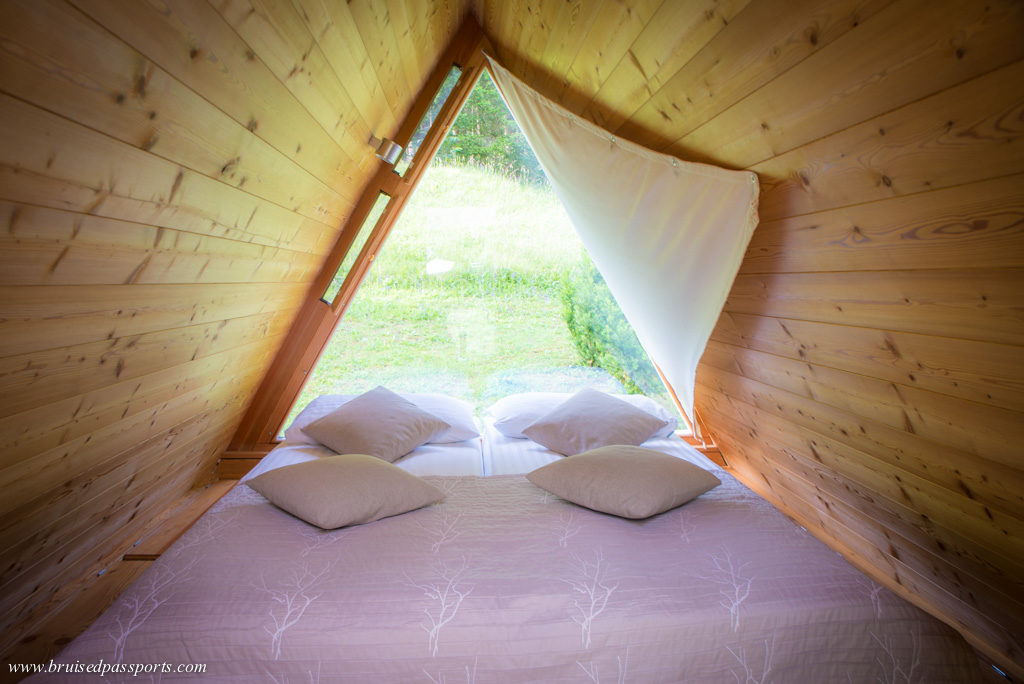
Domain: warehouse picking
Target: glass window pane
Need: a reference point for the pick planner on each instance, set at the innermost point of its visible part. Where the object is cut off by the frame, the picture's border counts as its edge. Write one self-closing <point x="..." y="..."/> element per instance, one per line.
<point x="427" y="121"/>
<point x="355" y="248"/>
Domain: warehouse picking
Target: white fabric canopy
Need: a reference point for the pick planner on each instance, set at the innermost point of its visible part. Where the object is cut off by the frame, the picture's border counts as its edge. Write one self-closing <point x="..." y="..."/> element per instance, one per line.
<point x="667" y="235"/>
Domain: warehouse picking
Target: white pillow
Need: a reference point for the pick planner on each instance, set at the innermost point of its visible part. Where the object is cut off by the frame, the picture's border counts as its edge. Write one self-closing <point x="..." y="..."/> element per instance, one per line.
<point x="515" y="412"/>
<point x="590" y="419"/>
<point x="348" y="489"/>
<point x="378" y="423"/>
<point x="457" y="413"/>
<point x="627" y="481"/>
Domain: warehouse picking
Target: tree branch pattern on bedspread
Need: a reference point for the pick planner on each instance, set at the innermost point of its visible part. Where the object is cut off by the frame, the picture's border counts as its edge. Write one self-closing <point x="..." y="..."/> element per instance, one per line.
<point x="503" y="583"/>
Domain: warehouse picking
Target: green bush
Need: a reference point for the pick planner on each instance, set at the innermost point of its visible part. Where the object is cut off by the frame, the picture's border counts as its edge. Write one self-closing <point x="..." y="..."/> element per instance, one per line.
<point x="602" y="335"/>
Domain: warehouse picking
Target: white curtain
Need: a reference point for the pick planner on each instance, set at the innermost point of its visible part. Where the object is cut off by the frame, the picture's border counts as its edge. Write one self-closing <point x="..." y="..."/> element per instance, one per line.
<point x="667" y="235"/>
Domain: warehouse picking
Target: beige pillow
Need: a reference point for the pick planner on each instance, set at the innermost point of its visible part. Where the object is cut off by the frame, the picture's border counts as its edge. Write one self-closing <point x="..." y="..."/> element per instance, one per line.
<point x="514" y="413"/>
<point x="590" y="419"/>
<point x="350" y="489"/>
<point x="627" y="481"/>
<point x="379" y="423"/>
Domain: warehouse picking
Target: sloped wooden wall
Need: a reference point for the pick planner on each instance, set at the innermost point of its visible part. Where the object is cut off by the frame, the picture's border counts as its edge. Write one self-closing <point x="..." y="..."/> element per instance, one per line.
<point x="172" y="175"/>
<point x="867" y="375"/>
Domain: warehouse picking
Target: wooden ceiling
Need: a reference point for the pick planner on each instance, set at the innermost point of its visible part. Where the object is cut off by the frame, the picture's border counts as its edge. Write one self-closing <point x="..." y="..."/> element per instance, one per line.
<point x="174" y="173"/>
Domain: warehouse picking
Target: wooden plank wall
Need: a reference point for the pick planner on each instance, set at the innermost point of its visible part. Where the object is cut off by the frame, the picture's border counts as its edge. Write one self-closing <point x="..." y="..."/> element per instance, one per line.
<point x="172" y="175"/>
<point x="867" y="375"/>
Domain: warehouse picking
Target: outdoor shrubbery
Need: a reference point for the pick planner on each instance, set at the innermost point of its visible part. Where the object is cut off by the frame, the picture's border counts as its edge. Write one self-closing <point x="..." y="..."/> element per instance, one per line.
<point x="602" y="335"/>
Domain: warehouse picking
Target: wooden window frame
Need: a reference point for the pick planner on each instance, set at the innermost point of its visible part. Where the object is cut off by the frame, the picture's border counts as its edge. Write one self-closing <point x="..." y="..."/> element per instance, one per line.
<point x="317" y="320"/>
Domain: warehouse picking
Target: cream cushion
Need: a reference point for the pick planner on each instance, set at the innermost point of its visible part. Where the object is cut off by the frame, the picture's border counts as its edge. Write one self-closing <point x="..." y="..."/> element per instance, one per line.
<point x="627" y="481"/>
<point x="512" y="414"/>
<point x="457" y="413"/>
<point x="349" y="489"/>
<point x="591" y="419"/>
<point x="379" y="423"/>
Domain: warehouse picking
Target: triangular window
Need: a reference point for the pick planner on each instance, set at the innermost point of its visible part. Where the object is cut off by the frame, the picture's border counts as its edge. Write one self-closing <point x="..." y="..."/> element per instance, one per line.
<point x="482" y="288"/>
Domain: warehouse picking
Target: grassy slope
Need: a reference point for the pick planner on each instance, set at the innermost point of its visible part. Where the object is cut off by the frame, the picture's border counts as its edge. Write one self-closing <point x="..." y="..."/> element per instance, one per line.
<point x="490" y="326"/>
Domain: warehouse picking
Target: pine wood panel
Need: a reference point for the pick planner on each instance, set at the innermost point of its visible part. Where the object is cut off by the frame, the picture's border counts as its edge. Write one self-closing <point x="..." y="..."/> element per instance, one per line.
<point x="979" y="224"/>
<point x="30" y="435"/>
<point x="968" y="304"/>
<point x="395" y="13"/>
<point x="45" y="145"/>
<point x="822" y="458"/>
<point x="940" y="141"/>
<point x="73" y="473"/>
<point x="966" y="581"/>
<point x="986" y="508"/>
<point x="192" y="42"/>
<point x="177" y="520"/>
<point x="45" y="246"/>
<point x="675" y="34"/>
<point x="763" y="41"/>
<point x="43" y="642"/>
<point x="379" y="42"/>
<point x="91" y="547"/>
<point x="38" y="318"/>
<point x="335" y="32"/>
<point x="122" y="94"/>
<point x="143" y="466"/>
<point x="873" y="551"/>
<point x="568" y="28"/>
<point x="276" y="33"/>
<point x="890" y="60"/>
<point x="981" y="372"/>
<point x="984" y="432"/>
<point x="39" y="378"/>
<point x="535" y="21"/>
<point x="613" y="32"/>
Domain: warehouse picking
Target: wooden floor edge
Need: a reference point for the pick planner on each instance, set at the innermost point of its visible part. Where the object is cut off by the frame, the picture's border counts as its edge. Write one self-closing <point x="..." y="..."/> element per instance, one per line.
<point x="46" y="632"/>
<point x="177" y="518"/>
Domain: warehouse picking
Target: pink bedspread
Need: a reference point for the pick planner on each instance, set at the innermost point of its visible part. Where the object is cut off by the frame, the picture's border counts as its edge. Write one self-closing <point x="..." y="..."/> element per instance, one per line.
<point x="504" y="583"/>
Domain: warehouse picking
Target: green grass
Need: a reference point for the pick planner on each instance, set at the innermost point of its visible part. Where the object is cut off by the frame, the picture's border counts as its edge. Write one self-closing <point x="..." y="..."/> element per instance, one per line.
<point x="490" y="326"/>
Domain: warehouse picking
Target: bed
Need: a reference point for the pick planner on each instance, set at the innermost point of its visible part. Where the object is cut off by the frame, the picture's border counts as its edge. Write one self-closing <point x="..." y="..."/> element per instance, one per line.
<point x="505" y="582"/>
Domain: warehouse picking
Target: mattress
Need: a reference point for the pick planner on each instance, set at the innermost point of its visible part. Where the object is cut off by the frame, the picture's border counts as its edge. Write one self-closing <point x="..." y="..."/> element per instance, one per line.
<point x="503" y="582"/>
<point x="510" y="455"/>
<point x="454" y="458"/>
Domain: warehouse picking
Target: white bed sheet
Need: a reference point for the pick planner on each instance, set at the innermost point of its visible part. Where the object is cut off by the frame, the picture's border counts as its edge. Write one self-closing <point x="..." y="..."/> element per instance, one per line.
<point x="453" y="458"/>
<point x="511" y="456"/>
